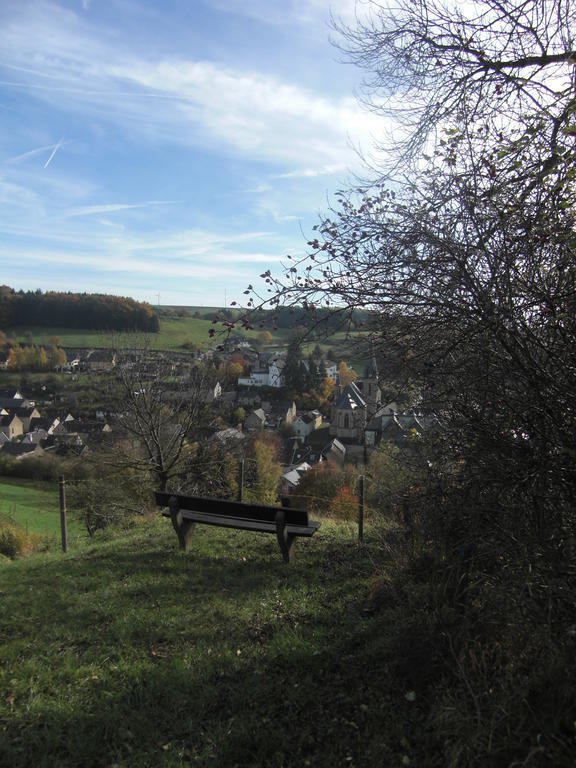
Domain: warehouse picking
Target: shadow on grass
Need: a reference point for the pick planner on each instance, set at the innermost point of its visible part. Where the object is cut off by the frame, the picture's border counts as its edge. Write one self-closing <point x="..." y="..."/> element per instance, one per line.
<point x="325" y="706"/>
<point x="138" y="655"/>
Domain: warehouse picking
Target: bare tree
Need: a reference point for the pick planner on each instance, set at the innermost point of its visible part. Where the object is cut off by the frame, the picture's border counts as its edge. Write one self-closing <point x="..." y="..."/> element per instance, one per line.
<point x="467" y="262"/>
<point x="468" y="265"/>
<point x="162" y="412"/>
<point x="431" y="63"/>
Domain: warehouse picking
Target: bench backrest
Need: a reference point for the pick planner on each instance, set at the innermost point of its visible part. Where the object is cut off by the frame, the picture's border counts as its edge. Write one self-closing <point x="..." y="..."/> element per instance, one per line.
<point x="237" y="509"/>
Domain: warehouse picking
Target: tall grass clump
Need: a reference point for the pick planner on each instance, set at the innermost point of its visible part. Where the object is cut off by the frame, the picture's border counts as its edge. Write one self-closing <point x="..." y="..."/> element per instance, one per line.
<point x="15" y="541"/>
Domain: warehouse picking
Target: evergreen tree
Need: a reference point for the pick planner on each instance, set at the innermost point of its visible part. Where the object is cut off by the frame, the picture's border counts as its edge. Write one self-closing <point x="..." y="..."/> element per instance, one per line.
<point x="294" y="368"/>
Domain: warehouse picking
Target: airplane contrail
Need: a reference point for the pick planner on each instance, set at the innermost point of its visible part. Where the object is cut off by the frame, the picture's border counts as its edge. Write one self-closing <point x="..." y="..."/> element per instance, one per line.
<point x="56" y="148"/>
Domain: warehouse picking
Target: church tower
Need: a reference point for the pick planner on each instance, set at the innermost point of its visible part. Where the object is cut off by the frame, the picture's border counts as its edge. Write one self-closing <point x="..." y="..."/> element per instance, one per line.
<point x="368" y="386"/>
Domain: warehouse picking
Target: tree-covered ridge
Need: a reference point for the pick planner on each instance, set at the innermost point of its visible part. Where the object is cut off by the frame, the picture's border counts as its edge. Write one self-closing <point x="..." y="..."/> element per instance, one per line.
<point x="75" y="310"/>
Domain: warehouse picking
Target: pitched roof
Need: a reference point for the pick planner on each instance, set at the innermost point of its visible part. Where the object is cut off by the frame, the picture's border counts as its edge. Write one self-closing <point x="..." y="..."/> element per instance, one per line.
<point x="35" y="437"/>
<point x="100" y="356"/>
<point x="259" y="413"/>
<point x="26" y="412"/>
<point x="11" y="402"/>
<point x="5" y="421"/>
<point x="334" y="447"/>
<point x="19" y="449"/>
<point x="228" y="435"/>
<point x="350" y="399"/>
<point x="400" y="424"/>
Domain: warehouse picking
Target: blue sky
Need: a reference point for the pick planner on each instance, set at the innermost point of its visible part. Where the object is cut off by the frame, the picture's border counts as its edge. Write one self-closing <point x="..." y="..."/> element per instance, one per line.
<point x="172" y="147"/>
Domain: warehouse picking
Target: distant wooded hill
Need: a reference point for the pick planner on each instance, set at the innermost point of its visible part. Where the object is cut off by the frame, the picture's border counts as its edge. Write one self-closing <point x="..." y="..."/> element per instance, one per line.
<point x="94" y="311"/>
<point x="325" y="321"/>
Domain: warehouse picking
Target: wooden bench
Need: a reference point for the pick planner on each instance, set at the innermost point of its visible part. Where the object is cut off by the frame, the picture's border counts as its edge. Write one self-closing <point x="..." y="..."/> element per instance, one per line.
<point x="186" y="511"/>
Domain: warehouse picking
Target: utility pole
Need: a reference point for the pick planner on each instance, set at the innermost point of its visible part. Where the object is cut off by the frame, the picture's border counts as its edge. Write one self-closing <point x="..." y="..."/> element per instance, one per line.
<point x="62" y="490"/>
<point x="241" y="480"/>
<point x="360" y="509"/>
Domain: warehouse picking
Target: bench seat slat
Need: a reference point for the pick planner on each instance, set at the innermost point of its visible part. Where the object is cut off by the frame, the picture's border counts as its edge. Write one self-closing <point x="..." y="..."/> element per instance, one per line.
<point x="245" y="524"/>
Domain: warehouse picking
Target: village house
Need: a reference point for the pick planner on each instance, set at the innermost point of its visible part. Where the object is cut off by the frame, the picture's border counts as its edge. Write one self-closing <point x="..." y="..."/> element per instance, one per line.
<point x="305" y="423"/>
<point x="27" y="415"/>
<point x="100" y="360"/>
<point x="90" y="430"/>
<point x="35" y="437"/>
<point x="11" y="426"/>
<point x="266" y="373"/>
<point x="334" y="451"/>
<point x="291" y="478"/>
<point x="228" y="437"/>
<point x="179" y="395"/>
<point x="255" y="421"/>
<point x="279" y="414"/>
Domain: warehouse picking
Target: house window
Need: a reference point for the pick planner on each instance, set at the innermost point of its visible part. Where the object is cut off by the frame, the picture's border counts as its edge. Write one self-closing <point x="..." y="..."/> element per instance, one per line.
<point x="346" y="421"/>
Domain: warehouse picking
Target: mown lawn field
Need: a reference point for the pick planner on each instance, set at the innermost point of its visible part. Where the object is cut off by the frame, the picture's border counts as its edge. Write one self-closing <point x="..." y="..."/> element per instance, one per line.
<point x="129" y="653"/>
<point x="34" y="507"/>
<point x="174" y="333"/>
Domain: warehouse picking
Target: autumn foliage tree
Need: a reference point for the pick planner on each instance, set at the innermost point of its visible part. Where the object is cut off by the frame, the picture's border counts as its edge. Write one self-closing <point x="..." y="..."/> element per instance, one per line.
<point x="328" y="488"/>
<point x="264" y="471"/>
<point x="346" y="375"/>
<point x="35" y="358"/>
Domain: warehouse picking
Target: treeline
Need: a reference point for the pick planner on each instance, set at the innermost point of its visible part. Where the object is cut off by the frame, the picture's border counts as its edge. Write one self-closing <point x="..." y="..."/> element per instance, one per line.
<point x="95" y="311"/>
<point x="33" y="358"/>
<point x="317" y="321"/>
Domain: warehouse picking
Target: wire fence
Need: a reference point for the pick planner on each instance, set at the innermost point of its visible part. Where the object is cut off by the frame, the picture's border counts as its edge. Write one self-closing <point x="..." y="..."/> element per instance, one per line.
<point x="101" y="500"/>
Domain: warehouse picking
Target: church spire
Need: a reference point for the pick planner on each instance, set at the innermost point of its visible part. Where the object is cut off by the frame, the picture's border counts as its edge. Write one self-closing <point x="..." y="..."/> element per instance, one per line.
<point x="371" y="368"/>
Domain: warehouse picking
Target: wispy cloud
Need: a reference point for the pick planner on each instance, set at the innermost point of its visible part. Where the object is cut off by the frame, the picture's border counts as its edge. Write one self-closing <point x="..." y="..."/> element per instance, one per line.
<point x="205" y="104"/>
<point x="302" y="12"/>
<point x="92" y="210"/>
<point x="311" y="173"/>
<point x="190" y="164"/>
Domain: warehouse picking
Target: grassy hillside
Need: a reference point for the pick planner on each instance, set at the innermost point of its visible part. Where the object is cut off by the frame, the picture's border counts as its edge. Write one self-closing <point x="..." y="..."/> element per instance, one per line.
<point x="126" y="652"/>
<point x="132" y="654"/>
<point x="33" y="507"/>
<point x="174" y="333"/>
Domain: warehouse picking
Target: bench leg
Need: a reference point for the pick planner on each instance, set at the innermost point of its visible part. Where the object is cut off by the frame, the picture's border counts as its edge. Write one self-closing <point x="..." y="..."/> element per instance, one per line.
<point x="285" y="540"/>
<point x="184" y="528"/>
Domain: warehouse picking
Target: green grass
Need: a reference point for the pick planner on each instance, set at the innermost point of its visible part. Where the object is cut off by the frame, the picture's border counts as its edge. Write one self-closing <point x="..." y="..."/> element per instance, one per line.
<point x="34" y="507"/>
<point x="129" y="653"/>
<point x="174" y="332"/>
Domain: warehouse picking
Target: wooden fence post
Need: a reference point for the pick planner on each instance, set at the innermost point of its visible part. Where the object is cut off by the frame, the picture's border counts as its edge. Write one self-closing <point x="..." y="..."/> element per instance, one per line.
<point x="240" y="480"/>
<point x="360" y="509"/>
<point x="62" y="489"/>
